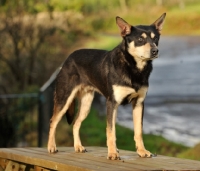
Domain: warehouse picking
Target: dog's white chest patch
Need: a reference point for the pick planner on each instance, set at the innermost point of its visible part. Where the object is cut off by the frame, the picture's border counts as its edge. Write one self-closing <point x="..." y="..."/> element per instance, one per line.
<point x="120" y="92"/>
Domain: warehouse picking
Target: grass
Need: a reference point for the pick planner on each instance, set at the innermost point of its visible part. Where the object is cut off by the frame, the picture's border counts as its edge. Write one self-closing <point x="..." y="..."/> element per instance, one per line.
<point x="192" y="153"/>
<point x="179" y="21"/>
<point x="183" y="22"/>
<point x="103" y="41"/>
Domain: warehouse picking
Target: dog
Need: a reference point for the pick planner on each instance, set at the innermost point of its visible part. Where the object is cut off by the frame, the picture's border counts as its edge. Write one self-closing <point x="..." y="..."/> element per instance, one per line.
<point x="121" y="75"/>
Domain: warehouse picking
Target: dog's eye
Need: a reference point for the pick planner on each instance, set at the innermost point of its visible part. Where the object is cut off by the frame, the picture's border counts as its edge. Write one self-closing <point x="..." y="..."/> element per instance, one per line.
<point x="140" y="39"/>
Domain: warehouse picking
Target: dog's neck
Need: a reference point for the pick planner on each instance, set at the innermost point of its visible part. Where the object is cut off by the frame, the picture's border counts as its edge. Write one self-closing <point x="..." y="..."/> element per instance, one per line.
<point x="139" y="63"/>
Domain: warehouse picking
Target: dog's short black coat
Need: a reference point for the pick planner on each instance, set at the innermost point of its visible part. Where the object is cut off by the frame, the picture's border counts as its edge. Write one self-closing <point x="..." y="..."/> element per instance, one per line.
<point x="121" y="75"/>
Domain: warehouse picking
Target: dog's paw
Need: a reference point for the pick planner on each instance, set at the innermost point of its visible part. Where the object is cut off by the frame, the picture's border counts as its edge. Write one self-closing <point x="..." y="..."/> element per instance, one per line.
<point x="144" y="153"/>
<point x="113" y="156"/>
<point x="52" y="148"/>
<point x="80" y="149"/>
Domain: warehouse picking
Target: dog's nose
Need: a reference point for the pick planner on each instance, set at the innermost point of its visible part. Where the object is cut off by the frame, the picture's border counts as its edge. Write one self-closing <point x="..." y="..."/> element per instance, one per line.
<point x="154" y="51"/>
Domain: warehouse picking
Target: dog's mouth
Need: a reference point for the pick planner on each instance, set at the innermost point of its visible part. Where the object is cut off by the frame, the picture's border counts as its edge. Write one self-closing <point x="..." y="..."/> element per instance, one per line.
<point x="148" y="59"/>
<point x="154" y="57"/>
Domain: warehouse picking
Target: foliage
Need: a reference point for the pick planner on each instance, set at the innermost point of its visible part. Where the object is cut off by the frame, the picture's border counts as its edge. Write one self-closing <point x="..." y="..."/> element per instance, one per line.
<point x="24" y="6"/>
<point x="28" y="47"/>
<point x="17" y="119"/>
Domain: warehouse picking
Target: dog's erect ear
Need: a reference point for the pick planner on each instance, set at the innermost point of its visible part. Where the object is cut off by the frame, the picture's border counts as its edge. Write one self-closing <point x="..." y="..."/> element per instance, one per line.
<point x="159" y="22"/>
<point x="125" y="28"/>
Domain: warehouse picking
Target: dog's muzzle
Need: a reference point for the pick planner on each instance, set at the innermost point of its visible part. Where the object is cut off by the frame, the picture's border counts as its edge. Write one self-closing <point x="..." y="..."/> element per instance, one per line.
<point x="154" y="52"/>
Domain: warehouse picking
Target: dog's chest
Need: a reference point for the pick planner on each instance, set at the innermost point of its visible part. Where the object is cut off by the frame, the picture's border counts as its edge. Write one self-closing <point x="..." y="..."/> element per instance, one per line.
<point x="123" y="92"/>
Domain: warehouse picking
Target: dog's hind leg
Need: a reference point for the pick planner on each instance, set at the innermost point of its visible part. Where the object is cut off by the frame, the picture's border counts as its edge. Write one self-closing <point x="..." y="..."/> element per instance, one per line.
<point x="110" y="131"/>
<point x="61" y="105"/>
<point x="85" y="101"/>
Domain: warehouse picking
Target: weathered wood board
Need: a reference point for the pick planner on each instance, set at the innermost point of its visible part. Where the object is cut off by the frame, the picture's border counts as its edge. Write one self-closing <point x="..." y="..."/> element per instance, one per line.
<point x="38" y="159"/>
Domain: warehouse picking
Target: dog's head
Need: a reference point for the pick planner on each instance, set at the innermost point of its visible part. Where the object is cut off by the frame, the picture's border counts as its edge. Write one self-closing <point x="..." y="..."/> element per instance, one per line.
<point x="142" y="40"/>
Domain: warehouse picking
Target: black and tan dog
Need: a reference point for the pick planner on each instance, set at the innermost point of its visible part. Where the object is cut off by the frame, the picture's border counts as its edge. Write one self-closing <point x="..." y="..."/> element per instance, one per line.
<point x="121" y="75"/>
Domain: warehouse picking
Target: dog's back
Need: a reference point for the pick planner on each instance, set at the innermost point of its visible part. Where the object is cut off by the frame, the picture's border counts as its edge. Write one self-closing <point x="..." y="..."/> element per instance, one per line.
<point x="82" y="68"/>
<point x="88" y="64"/>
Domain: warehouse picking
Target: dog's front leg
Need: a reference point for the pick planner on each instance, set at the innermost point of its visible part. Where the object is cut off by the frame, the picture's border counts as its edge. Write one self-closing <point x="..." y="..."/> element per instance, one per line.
<point x="138" y="108"/>
<point x="110" y="131"/>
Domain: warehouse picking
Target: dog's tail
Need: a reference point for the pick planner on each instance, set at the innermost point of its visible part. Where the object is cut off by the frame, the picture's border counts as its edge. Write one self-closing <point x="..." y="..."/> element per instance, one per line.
<point x="70" y="113"/>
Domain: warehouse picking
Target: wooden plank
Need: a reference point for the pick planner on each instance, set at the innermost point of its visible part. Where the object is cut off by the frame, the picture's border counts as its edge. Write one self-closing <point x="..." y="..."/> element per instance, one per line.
<point x="39" y="160"/>
<point x="3" y="163"/>
<point x="95" y="156"/>
<point x="15" y="166"/>
<point x="61" y="157"/>
<point x="94" y="159"/>
<point x="38" y="168"/>
<point x="50" y="160"/>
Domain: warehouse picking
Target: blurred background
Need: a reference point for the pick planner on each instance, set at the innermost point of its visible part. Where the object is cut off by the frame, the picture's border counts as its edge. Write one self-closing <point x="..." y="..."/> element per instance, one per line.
<point x="37" y="36"/>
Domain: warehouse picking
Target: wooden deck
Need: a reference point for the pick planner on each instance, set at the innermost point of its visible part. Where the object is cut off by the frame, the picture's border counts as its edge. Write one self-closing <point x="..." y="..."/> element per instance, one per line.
<point x="38" y="159"/>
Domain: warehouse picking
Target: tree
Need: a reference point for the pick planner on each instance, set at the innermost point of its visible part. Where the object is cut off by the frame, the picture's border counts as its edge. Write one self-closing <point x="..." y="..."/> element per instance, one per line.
<point x="32" y="47"/>
<point x="27" y="46"/>
<point x="19" y="46"/>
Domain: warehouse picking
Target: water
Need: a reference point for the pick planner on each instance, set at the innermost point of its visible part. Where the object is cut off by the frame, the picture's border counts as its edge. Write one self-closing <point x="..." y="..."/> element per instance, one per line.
<point x="178" y="122"/>
<point x="176" y="70"/>
<point x="172" y="106"/>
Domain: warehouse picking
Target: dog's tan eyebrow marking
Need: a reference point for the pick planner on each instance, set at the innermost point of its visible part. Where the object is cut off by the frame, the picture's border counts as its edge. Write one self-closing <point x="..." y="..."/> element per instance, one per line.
<point x="144" y="35"/>
<point x="152" y="35"/>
